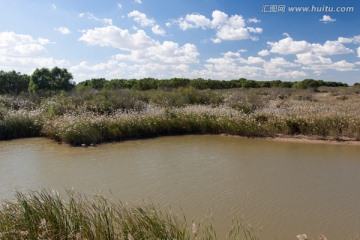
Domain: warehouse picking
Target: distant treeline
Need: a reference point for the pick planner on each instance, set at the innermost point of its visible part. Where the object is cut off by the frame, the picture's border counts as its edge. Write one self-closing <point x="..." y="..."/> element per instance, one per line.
<point x="152" y="83"/>
<point x="56" y="79"/>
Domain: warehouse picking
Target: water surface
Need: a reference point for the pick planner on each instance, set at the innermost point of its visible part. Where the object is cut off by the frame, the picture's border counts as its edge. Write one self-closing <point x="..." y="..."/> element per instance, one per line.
<point x="287" y="188"/>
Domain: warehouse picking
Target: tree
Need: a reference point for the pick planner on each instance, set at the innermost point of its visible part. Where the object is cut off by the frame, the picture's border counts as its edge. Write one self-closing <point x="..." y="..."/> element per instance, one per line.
<point x="13" y="82"/>
<point x="61" y="79"/>
<point x="54" y="79"/>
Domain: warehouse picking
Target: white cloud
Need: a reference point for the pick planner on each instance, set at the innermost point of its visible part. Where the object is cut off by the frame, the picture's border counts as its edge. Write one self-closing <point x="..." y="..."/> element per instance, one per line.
<point x="216" y="40"/>
<point x="63" y="30"/>
<point x="227" y="28"/>
<point x="138" y="1"/>
<point x="330" y="48"/>
<point x="53" y="6"/>
<point x="194" y="21"/>
<point x="234" y="28"/>
<point x="311" y="59"/>
<point x="252" y="60"/>
<point x="167" y="53"/>
<point x="141" y="18"/>
<point x="327" y="19"/>
<point x="229" y="33"/>
<point x="255" y="30"/>
<point x="263" y="53"/>
<point x="25" y="53"/>
<point x="345" y="40"/>
<point x="358" y="51"/>
<point x="219" y="18"/>
<point x="228" y="66"/>
<point x="289" y="46"/>
<point x="157" y="30"/>
<point x="144" y="21"/>
<point x="44" y="41"/>
<point x="280" y="62"/>
<point x="320" y="64"/>
<point x="161" y="61"/>
<point x="231" y="66"/>
<point x="355" y="39"/>
<point x="119" y="5"/>
<point x="88" y="15"/>
<point x="112" y="36"/>
<point x="343" y="66"/>
<point x="20" y="45"/>
<point x="253" y="20"/>
<point x="291" y="74"/>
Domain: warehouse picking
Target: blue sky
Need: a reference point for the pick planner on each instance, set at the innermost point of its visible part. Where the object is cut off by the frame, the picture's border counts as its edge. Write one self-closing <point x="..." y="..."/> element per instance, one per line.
<point x="217" y="39"/>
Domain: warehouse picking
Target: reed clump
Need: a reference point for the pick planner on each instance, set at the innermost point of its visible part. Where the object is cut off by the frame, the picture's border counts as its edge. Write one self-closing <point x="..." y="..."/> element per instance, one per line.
<point x="45" y="215"/>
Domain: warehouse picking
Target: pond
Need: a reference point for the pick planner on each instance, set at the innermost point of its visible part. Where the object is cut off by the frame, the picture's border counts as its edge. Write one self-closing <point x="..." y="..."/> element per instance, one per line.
<point x="286" y="188"/>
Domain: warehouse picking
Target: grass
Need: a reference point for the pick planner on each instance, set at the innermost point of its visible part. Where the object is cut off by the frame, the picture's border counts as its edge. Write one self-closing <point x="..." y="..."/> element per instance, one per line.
<point x="45" y="215"/>
<point x="86" y="117"/>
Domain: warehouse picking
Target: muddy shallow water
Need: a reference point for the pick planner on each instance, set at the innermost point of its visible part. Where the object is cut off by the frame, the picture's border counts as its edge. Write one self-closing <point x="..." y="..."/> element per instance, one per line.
<point x="287" y="188"/>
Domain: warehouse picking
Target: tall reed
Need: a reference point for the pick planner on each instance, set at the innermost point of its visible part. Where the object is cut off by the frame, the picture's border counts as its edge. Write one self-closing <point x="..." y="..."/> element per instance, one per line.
<point x="45" y="215"/>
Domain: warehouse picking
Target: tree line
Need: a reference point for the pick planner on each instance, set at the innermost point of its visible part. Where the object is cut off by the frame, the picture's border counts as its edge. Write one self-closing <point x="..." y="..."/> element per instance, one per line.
<point x="43" y="79"/>
<point x="57" y="79"/>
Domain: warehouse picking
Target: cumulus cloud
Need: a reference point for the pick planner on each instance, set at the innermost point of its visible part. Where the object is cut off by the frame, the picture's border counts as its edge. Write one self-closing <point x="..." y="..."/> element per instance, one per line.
<point x="226" y="27"/>
<point x="252" y="60"/>
<point x="263" y="53"/>
<point x="253" y="20"/>
<point x="355" y="39"/>
<point x="231" y="65"/>
<point x="141" y="18"/>
<point x="105" y="21"/>
<point x="20" y="45"/>
<point x="138" y="1"/>
<point x="345" y="40"/>
<point x="112" y="36"/>
<point x="330" y="48"/>
<point x="311" y="55"/>
<point x="292" y="74"/>
<point x="63" y="30"/>
<point x="290" y="46"/>
<point x="167" y="53"/>
<point x="320" y="64"/>
<point x="194" y="21"/>
<point x="119" y="5"/>
<point x="358" y="51"/>
<point x="157" y="30"/>
<point x="144" y="21"/>
<point x="327" y="19"/>
<point x="165" y="60"/>
<point x="143" y="55"/>
<point x="25" y="53"/>
<point x="53" y="6"/>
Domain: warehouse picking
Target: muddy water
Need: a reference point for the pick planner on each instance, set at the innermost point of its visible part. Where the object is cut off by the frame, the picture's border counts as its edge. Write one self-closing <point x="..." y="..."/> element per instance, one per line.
<point x="285" y="188"/>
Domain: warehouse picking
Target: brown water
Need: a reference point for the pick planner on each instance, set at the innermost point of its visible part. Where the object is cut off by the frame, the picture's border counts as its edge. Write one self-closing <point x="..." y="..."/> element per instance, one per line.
<point x="287" y="188"/>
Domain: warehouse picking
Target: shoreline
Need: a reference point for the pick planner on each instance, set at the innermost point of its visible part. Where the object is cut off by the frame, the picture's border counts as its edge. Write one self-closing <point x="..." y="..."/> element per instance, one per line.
<point x="303" y="139"/>
<point x="278" y="138"/>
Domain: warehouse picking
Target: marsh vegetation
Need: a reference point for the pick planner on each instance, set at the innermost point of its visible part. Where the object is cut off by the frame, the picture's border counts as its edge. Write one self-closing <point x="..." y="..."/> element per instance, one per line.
<point x="87" y="115"/>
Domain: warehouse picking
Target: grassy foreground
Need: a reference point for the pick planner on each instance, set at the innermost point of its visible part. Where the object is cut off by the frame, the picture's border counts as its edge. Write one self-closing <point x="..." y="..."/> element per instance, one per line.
<point x="45" y="215"/>
<point x="113" y="115"/>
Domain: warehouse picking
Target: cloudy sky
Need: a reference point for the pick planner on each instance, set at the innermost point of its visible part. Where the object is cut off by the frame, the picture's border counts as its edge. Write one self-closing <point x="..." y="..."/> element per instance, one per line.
<point x="217" y="39"/>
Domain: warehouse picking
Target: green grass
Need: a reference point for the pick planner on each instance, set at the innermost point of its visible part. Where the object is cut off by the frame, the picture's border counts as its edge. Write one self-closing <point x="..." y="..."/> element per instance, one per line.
<point x="45" y="215"/>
